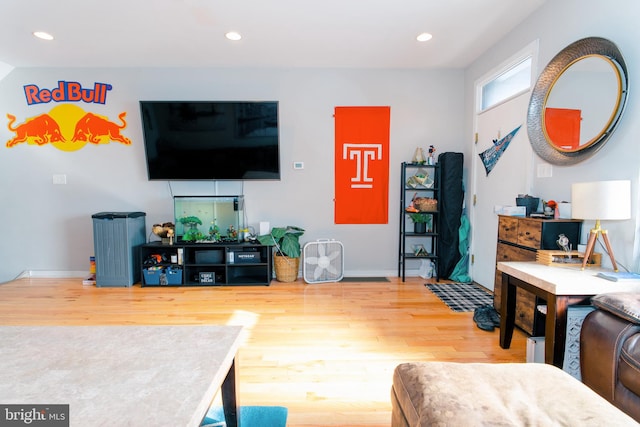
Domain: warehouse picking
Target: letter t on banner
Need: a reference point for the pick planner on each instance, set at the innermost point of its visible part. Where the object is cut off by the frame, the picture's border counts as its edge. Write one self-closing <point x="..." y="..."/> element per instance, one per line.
<point x="362" y="165"/>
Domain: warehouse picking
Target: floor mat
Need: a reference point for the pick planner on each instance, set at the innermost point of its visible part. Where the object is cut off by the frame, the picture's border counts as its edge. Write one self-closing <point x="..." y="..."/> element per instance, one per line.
<point x="461" y="296"/>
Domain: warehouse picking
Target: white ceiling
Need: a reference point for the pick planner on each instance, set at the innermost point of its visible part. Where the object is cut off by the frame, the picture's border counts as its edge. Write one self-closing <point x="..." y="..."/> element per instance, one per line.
<point x="276" y="33"/>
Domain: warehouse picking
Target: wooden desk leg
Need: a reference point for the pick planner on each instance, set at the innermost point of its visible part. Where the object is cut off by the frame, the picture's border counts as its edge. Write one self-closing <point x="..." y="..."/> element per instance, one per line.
<point x="229" y="397"/>
<point x="555" y="328"/>
<point x="507" y="311"/>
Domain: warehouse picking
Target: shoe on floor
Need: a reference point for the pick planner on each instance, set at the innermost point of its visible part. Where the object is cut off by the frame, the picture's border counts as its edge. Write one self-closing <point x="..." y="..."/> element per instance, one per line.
<point x="493" y="315"/>
<point x="483" y="319"/>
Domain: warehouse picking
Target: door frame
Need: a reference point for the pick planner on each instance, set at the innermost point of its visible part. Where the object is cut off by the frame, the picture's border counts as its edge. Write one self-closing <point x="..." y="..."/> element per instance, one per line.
<point x="530" y="50"/>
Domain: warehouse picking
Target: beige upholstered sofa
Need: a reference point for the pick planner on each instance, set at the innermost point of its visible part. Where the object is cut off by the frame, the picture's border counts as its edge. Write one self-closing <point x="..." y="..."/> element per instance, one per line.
<point x="514" y="394"/>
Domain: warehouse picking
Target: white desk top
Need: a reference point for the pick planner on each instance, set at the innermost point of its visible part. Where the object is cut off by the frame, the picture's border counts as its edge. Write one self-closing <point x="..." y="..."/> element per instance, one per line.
<point x="118" y="375"/>
<point x="567" y="280"/>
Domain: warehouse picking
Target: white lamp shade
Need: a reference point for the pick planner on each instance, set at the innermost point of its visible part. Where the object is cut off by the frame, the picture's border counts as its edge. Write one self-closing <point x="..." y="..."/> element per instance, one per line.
<point x="606" y="200"/>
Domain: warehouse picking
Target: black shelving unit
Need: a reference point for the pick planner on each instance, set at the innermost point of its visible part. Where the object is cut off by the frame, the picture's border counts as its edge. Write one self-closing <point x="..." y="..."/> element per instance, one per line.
<point x="204" y="264"/>
<point x="408" y="238"/>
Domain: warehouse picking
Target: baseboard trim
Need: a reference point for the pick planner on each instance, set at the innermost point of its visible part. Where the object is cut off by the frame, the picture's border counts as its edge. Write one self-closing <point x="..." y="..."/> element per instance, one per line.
<point x="62" y="274"/>
<point x="51" y="274"/>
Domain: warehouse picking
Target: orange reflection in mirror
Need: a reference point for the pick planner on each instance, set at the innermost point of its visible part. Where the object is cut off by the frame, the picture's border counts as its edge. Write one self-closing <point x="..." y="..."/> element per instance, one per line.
<point x="563" y="127"/>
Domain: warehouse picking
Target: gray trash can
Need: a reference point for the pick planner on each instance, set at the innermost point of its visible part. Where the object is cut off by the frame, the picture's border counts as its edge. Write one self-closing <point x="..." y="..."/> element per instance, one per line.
<point x="117" y="237"/>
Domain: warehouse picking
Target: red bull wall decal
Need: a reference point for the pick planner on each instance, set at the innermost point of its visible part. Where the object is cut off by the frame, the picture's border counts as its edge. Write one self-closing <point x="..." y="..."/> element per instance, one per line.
<point x="67" y="126"/>
<point x="67" y="92"/>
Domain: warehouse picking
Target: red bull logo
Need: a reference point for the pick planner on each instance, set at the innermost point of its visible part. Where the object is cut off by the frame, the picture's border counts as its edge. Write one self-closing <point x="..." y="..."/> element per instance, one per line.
<point x="67" y="92"/>
<point x="92" y="128"/>
<point x="67" y="127"/>
<point x="41" y="130"/>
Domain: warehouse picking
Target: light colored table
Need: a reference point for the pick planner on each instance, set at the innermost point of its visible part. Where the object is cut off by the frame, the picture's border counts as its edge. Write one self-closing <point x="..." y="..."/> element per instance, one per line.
<point x="559" y="287"/>
<point x="121" y="375"/>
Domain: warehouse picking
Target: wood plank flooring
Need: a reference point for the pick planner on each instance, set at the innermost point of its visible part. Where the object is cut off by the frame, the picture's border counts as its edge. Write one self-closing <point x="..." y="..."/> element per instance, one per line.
<point x="325" y="351"/>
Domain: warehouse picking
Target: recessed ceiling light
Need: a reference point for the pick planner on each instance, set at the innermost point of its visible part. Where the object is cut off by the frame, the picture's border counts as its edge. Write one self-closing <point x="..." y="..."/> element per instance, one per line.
<point x="42" y="35"/>
<point x="232" y="35"/>
<point x="424" y="37"/>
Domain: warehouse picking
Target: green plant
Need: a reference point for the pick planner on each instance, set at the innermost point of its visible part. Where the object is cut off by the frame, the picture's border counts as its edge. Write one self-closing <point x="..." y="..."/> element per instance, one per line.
<point x="285" y="239"/>
<point x="420" y="217"/>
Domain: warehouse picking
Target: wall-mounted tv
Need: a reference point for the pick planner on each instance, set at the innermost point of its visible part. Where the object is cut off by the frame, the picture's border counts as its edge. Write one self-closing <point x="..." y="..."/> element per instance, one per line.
<point x="211" y="140"/>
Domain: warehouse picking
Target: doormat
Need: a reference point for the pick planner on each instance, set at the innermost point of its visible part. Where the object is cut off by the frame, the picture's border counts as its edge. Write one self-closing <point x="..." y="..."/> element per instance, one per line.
<point x="249" y="416"/>
<point x="461" y="296"/>
<point x="364" y="279"/>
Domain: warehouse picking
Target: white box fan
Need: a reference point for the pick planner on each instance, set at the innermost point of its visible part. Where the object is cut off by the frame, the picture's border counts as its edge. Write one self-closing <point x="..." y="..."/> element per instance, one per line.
<point x="323" y="261"/>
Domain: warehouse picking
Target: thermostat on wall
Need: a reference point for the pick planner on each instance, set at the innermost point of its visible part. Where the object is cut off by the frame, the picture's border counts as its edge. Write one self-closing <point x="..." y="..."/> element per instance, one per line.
<point x="298" y="165"/>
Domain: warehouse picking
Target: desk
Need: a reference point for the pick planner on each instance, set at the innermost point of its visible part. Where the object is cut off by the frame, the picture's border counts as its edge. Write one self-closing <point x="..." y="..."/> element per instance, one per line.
<point x="121" y="375"/>
<point x="559" y="287"/>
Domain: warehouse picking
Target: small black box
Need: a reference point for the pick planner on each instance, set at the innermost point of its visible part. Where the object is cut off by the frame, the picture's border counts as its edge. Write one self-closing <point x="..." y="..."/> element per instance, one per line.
<point x="241" y="257"/>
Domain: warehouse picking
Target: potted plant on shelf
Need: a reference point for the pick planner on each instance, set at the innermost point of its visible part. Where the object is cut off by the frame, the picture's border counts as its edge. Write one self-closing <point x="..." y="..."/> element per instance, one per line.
<point x="286" y="241"/>
<point x="420" y="221"/>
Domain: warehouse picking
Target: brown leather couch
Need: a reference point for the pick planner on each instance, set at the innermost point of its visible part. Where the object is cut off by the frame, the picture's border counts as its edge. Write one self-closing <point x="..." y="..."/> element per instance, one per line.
<point x="610" y="350"/>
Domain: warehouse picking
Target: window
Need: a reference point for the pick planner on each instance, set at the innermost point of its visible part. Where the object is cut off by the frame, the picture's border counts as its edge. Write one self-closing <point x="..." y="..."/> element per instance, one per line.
<point x="507" y="81"/>
<point x="513" y="81"/>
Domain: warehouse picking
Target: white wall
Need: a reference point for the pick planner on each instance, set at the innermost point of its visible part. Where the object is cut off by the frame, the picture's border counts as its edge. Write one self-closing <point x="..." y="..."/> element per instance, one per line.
<point x="49" y="228"/>
<point x="557" y="24"/>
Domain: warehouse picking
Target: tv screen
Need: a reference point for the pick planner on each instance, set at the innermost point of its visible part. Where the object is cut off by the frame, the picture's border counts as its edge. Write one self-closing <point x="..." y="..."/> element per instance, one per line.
<point x="211" y="140"/>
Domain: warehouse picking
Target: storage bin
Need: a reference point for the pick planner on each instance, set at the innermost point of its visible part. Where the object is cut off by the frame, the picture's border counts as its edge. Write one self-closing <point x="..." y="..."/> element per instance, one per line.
<point x="174" y="275"/>
<point x="162" y="276"/>
<point x="152" y="275"/>
<point x="117" y="237"/>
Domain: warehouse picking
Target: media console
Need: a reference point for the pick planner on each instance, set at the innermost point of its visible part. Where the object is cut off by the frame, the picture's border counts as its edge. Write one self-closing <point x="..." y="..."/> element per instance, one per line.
<point x="205" y="264"/>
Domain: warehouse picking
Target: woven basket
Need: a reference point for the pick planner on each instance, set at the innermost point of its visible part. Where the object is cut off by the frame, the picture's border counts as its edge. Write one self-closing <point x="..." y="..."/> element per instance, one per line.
<point x="286" y="268"/>
<point x="425" y="204"/>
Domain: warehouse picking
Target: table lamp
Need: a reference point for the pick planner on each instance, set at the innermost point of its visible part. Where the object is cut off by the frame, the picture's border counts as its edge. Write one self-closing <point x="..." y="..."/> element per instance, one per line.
<point x="601" y="200"/>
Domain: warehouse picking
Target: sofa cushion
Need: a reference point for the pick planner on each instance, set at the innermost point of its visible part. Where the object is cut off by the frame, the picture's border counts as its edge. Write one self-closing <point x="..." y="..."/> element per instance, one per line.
<point x="629" y="368"/>
<point x="625" y="305"/>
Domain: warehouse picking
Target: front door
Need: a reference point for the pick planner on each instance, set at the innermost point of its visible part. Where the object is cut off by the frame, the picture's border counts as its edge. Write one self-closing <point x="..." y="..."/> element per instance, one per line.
<point x="511" y="175"/>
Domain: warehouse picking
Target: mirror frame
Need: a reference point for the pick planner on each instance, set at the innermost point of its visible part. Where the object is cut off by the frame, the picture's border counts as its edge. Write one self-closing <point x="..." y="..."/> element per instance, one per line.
<point x="587" y="47"/>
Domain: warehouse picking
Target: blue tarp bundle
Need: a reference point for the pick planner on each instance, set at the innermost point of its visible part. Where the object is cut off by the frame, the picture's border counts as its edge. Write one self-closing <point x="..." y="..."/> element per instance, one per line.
<point x="460" y="272"/>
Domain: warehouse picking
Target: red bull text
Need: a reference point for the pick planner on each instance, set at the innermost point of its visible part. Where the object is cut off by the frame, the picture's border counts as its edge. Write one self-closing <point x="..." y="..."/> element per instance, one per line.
<point x="67" y="92"/>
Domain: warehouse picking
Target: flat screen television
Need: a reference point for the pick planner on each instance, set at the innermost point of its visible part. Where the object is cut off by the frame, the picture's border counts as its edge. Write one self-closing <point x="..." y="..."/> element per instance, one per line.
<point x="211" y="140"/>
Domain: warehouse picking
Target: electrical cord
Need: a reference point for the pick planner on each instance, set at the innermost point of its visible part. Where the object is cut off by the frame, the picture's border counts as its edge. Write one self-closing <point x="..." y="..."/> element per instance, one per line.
<point x="604" y="249"/>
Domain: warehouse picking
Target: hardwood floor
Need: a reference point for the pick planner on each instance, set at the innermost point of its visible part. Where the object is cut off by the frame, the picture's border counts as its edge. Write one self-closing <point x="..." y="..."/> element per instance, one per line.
<point x="325" y="351"/>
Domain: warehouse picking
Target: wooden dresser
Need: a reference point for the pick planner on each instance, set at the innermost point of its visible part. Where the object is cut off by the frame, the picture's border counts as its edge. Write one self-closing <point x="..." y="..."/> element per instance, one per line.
<point x="518" y="240"/>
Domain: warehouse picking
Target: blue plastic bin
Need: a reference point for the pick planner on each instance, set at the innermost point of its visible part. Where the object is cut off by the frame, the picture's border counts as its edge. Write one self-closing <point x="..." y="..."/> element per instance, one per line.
<point x="162" y="275"/>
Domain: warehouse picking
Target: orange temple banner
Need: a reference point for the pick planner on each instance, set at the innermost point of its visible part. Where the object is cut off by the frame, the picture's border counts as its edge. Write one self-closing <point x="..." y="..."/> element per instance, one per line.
<point x="362" y="165"/>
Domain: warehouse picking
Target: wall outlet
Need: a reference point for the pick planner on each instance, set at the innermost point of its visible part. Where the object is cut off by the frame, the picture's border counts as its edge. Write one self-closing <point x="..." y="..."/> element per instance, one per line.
<point x="59" y="179"/>
<point x="545" y="170"/>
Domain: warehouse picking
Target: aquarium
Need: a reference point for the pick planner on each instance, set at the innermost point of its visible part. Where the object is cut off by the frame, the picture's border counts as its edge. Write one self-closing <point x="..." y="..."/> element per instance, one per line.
<point x="208" y="219"/>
